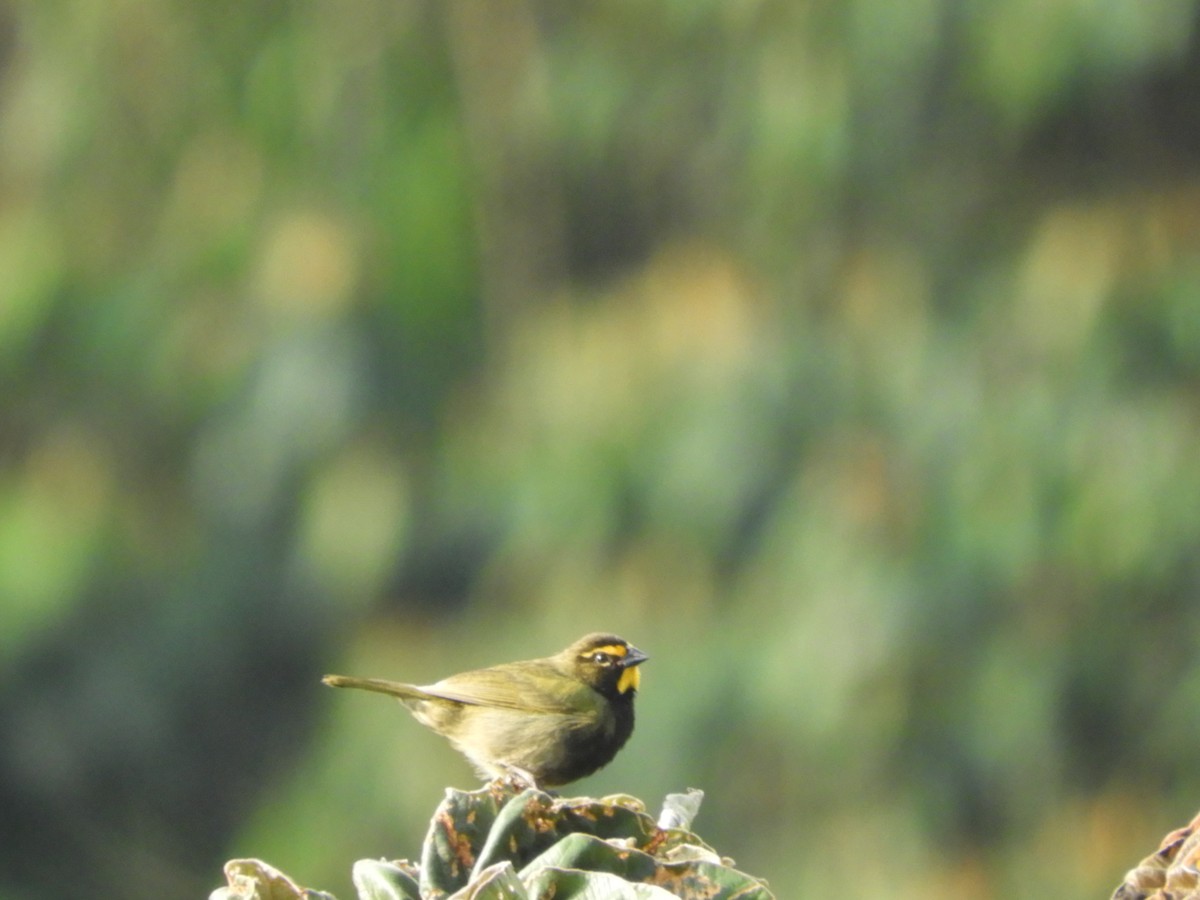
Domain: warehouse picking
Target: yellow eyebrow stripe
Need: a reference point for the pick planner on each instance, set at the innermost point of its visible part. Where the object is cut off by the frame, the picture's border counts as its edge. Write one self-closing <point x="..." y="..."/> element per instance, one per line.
<point x="610" y="649"/>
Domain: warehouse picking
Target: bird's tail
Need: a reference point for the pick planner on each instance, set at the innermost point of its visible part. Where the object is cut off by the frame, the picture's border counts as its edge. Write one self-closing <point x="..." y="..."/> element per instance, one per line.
<point x="394" y="688"/>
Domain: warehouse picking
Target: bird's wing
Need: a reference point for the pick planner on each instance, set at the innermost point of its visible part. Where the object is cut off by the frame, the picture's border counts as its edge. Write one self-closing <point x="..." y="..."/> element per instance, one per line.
<point x="520" y="688"/>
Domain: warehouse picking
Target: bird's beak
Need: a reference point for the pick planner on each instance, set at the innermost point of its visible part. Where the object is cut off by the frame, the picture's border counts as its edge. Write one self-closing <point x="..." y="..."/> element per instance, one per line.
<point x="633" y="656"/>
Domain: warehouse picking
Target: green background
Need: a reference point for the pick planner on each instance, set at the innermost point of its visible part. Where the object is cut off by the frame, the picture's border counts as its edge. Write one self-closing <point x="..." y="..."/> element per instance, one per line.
<point x="845" y="357"/>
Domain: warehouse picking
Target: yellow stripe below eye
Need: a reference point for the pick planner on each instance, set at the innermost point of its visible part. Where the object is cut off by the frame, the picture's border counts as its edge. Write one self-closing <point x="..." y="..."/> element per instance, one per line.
<point x="630" y="679"/>
<point x="610" y="649"/>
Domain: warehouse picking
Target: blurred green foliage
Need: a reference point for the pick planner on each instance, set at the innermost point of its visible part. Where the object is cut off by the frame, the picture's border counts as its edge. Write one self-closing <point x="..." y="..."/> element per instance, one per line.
<point x="844" y="356"/>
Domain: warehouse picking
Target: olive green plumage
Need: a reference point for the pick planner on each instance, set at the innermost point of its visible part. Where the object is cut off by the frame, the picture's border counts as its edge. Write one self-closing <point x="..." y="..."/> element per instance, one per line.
<point x="549" y="721"/>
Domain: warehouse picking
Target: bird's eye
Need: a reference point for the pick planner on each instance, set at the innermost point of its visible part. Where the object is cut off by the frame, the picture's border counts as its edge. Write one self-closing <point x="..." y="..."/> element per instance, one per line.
<point x="602" y="659"/>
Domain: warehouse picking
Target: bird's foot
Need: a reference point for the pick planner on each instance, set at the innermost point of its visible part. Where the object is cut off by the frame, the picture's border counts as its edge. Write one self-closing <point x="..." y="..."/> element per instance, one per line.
<point x="515" y="779"/>
<point x="521" y="778"/>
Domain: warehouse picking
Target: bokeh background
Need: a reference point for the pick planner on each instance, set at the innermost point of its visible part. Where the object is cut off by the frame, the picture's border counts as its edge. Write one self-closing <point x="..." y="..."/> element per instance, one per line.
<point x="845" y="356"/>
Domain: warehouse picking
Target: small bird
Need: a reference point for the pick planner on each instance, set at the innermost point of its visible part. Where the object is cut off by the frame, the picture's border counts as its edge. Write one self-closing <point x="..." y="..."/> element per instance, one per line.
<point x="546" y="722"/>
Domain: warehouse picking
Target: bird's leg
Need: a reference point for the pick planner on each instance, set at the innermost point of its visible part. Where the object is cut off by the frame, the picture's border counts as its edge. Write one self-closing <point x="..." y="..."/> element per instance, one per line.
<point x="519" y="778"/>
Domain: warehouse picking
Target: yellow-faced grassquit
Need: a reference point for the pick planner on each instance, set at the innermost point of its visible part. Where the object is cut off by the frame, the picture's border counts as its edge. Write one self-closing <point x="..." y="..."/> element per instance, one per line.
<point x="544" y="721"/>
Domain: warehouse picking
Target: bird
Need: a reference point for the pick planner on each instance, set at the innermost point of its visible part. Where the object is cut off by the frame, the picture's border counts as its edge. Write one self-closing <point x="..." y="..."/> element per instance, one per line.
<point x="544" y="722"/>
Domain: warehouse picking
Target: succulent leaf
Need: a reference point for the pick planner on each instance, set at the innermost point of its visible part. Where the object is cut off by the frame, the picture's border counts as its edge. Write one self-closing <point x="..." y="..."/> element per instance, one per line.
<point x="584" y="851"/>
<point x="680" y="810"/>
<point x="498" y="882"/>
<point x="458" y="831"/>
<point x="379" y="880"/>
<point x="253" y="879"/>
<point x="572" y="884"/>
